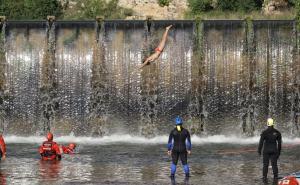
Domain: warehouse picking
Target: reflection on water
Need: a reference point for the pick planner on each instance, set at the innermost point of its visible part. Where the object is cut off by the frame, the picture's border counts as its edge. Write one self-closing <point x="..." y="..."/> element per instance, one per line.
<point x="212" y="164"/>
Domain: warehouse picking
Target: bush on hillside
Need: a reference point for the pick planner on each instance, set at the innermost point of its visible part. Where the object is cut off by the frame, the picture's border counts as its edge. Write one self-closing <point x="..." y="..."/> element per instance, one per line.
<point x="40" y="9"/>
<point x="198" y="6"/>
<point x="30" y="9"/>
<point x="239" y="5"/>
<point x="163" y="3"/>
<point x="12" y="9"/>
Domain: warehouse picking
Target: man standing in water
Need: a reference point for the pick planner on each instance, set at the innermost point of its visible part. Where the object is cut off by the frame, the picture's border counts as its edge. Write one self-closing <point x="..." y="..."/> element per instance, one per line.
<point x="270" y="140"/>
<point x="50" y="150"/>
<point x="158" y="50"/>
<point x="179" y="145"/>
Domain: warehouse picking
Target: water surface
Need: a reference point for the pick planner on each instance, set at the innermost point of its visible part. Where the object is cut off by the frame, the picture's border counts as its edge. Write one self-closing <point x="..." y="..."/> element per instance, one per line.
<point x="215" y="160"/>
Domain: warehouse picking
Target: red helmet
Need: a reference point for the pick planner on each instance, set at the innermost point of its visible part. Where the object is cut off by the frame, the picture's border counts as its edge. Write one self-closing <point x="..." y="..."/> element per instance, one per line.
<point x="72" y="146"/>
<point x="49" y="136"/>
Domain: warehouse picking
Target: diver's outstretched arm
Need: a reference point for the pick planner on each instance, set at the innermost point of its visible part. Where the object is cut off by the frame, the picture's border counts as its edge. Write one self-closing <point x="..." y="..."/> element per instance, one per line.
<point x="159" y="48"/>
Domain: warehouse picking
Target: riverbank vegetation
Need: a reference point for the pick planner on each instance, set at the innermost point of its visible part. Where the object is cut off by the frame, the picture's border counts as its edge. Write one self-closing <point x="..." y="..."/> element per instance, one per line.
<point x="64" y="9"/>
<point x="239" y="9"/>
<point x="109" y="9"/>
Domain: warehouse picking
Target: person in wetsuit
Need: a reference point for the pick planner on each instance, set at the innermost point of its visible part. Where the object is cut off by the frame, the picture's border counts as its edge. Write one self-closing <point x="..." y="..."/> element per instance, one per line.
<point x="49" y="150"/>
<point x="69" y="149"/>
<point x="179" y="145"/>
<point x="270" y="141"/>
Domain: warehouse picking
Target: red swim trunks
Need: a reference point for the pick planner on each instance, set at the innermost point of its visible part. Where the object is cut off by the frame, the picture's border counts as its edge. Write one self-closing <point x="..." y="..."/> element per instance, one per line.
<point x="157" y="49"/>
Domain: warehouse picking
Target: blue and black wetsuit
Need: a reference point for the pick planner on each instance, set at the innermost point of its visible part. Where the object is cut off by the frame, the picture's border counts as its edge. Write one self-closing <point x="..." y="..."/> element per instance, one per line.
<point x="179" y="142"/>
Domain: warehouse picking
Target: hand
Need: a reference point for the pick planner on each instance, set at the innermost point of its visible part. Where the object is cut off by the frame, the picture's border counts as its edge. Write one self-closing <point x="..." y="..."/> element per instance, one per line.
<point x="168" y="27"/>
<point x="145" y="63"/>
<point x="189" y="152"/>
<point x="169" y="152"/>
<point x="4" y="157"/>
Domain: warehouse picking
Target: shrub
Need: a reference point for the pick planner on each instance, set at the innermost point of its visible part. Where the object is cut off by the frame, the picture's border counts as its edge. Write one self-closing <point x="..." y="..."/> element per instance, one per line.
<point x="30" y="9"/>
<point x="249" y="5"/>
<point x="239" y="5"/>
<point x="198" y="6"/>
<point x="12" y="9"/>
<point x="39" y="9"/>
<point x="163" y="3"/>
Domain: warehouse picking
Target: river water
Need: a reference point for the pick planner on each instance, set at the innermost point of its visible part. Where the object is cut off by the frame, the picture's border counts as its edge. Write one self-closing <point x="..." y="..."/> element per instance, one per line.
<point x="125" y="159"/>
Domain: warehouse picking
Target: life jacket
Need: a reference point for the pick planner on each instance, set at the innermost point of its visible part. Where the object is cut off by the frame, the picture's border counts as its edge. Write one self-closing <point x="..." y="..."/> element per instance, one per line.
<point x="48" y="150"/>
<point x="290" y="180"/>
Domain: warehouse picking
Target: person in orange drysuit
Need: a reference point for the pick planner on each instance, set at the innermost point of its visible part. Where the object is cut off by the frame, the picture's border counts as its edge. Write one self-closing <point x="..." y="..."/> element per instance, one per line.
<point x="69" y="149"/>
<point x="49" y="150"/>
<point x="290" y="180"/>
<point x="2" y="148"/>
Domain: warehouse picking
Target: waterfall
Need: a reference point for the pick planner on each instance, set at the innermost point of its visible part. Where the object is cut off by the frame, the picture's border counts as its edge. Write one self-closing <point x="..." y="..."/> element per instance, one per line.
<point x="223" y="72"/>
<point x="82" y="77"/>
<point x="274" y="71"/>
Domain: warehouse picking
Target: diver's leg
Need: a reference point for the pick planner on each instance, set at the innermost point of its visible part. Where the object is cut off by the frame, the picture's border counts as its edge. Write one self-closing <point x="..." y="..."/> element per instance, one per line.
<point x="274" y="165"/>
<point x="183" y="158"/>
<point x="266" y="159"/>
<point x="162" y="43"/>
<point x="175" y="156"/>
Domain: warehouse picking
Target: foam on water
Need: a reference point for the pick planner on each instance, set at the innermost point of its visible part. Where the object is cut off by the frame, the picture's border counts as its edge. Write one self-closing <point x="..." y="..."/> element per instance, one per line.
<point x="130" y="139"/>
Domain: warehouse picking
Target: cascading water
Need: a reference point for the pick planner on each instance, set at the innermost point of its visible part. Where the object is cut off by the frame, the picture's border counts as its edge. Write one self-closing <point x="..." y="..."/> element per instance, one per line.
<point x="24" y="49"/>
<point x="275" y="71"/>
<point x="83" y="77"/>
<point x="223" y="68"/>
<point x="74" y="54"/>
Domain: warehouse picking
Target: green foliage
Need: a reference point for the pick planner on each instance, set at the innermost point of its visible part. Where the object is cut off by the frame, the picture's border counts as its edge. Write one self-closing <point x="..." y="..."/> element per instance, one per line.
<point x="163" y="3"/>
<point x="89" y="9"/>
<point x="12" y="9"/>
<point x="198" y="6"/>
<point x="230" y="5"/>
<point x="39" y="9"/>
<point x="84" y="9"/>
<point x="30" y="9"/>
<point x="239" y="5"/>
<point x="297" y="6"/>
<point x="293" y="2"/>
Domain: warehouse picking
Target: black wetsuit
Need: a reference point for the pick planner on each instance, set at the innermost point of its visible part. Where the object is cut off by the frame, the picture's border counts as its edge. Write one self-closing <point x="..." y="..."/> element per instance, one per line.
<point x="270" y="141"/>
<point x="182" y="143"/>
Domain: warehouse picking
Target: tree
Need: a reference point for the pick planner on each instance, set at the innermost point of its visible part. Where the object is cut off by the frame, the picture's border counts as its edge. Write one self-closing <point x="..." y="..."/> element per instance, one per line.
<point x="198" y="6"/>
<point x="30" y="9"/>
<point x="239" y="5"/>
<point x="12" y="9"/>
